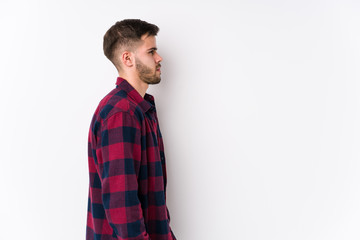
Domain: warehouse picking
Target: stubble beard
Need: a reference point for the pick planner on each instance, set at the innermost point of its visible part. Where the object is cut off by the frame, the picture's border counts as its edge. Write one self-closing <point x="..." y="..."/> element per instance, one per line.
<point x="146" y="74"/>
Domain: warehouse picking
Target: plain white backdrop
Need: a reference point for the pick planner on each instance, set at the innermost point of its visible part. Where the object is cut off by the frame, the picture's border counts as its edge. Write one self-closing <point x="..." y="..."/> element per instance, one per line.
<point x="259" y="106"/>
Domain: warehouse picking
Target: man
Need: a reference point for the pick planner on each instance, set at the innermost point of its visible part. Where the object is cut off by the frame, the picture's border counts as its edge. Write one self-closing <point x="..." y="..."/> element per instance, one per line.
<point x="127" y="192"/>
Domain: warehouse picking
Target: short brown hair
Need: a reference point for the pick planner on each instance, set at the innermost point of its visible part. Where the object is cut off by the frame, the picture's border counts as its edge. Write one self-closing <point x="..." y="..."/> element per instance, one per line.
<point x="125" y="34"/>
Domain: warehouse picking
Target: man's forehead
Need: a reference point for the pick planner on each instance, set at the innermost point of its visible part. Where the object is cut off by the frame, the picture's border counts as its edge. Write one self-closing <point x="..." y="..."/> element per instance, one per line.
<point x="149" y="41"/>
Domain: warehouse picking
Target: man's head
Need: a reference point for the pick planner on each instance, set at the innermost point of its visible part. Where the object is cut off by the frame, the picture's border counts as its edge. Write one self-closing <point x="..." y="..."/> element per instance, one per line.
<point x="131" y="46"/>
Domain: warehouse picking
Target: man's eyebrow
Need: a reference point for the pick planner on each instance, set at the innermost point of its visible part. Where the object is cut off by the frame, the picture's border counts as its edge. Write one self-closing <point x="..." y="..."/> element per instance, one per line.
<point x="152" y="49"/>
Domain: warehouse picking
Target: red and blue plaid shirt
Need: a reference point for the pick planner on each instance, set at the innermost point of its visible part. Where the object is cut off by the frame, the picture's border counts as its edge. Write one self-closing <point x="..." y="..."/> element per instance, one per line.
<point x="127" y="172"/>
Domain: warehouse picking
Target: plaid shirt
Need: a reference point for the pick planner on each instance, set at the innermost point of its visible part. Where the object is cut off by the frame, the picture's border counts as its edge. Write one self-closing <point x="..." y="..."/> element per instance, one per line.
<point x="127" y="172"/>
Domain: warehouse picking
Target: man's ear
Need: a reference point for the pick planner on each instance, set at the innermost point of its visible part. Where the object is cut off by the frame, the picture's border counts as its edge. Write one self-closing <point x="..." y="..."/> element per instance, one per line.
<point x="127" y="59"/>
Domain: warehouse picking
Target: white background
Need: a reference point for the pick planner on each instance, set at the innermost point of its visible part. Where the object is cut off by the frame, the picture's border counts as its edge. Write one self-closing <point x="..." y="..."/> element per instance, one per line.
<point x="258" y="106"/>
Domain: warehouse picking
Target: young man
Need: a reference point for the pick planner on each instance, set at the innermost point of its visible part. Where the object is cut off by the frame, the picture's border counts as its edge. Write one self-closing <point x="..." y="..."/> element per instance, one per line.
<point x="127" y="197"/>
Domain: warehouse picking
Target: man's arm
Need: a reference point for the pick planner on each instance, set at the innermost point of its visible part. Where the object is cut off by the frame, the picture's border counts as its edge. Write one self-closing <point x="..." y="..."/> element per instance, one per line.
<point x="120" y="160"/>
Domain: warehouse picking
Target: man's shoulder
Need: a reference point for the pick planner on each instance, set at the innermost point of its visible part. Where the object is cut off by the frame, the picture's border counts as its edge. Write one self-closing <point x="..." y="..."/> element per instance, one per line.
<point x="116" y="101"/>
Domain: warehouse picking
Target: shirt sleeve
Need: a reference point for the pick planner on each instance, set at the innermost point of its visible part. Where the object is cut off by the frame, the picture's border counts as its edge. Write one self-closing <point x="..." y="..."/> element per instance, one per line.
<point x="119" y="157"/>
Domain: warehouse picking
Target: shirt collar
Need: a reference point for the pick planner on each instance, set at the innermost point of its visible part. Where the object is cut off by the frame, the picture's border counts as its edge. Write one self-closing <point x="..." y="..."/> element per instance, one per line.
<point x="147" y="103"/>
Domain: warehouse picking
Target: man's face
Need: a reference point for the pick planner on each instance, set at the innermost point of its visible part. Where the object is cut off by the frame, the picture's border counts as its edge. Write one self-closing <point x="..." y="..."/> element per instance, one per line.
<point x="147" y="61"/>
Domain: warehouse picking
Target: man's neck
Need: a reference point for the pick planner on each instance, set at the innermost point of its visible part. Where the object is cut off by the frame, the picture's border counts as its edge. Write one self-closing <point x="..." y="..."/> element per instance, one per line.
<point x="136" y="83"/>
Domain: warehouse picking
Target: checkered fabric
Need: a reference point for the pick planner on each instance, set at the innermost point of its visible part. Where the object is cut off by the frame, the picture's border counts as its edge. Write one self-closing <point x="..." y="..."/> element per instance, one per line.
<point x="127" y="172"/>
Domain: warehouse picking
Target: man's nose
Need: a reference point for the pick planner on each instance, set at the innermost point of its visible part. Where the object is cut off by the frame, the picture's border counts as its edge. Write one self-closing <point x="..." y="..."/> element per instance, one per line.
<point x="159" y="58"/>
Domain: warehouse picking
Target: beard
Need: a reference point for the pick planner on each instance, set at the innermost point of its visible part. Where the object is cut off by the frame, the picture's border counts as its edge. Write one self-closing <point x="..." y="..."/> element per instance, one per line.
<point x="147" y="74"/>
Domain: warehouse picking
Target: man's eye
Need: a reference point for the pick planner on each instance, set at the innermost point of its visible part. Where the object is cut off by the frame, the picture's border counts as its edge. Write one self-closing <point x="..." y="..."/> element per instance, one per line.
<point x="152" y="52"/>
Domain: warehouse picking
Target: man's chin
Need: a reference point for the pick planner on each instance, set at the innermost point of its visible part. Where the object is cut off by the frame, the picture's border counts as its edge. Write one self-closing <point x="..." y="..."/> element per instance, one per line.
<point x="152" y="81"/>
<point x="156" y="82"/>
